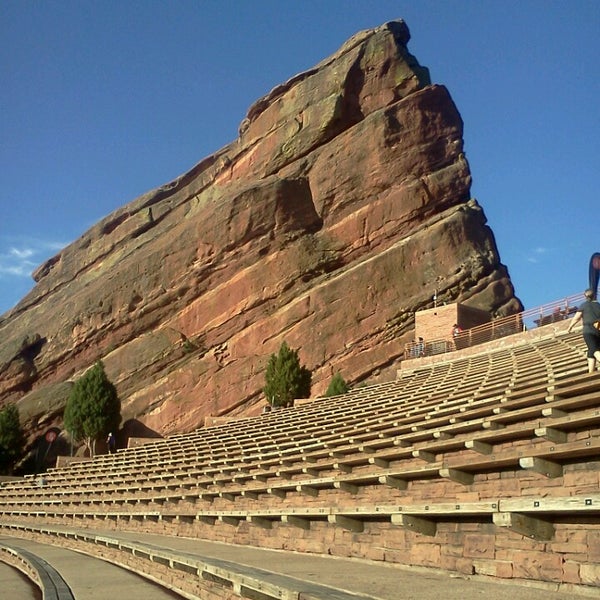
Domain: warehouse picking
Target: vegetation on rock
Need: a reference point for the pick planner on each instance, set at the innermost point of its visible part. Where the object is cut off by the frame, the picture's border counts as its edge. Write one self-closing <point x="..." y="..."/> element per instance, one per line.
<point x="93" y="408"/>
<point x="285" y="378"/>
<point x="337" y="386"/>
<point x="12" y="440"/>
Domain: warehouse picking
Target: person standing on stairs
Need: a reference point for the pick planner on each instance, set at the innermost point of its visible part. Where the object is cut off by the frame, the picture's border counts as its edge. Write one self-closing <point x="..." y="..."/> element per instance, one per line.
<point x="589" y="313"/>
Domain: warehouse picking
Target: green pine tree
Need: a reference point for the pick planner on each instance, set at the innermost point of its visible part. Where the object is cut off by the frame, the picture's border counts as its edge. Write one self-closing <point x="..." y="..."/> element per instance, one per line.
<point x="337" y="386"/>
<point x="12" y="440"/>
<point x="93" y="408"/>
<point x="285" y="378"/>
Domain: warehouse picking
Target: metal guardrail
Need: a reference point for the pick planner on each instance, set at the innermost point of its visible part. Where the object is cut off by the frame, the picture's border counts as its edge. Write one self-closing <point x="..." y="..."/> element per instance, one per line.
<point x="553" y="312"/>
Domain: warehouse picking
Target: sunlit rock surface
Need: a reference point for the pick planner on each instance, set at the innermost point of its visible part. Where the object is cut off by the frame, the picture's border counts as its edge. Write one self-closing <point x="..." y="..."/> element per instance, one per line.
<point x="340" y="209"/>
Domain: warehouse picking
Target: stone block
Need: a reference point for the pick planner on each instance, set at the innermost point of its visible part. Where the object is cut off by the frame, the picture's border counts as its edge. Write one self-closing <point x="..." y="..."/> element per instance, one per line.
<point x="374" y="552"/>
<point x="577" y="479"/>
<point x="465" y="566"/>
<point x="590" y="574"/>
<point x="593" y="543"/>
<point x="448" y="562"/>
<point x="452" y="549"/>
<point x="427" y="555"/>
<point x="397" y="556"/>
<point x="537" y="565"/>
<point x="571" y="572"/>
<point x="479" y="546"/>
<point x="493" y="568"/>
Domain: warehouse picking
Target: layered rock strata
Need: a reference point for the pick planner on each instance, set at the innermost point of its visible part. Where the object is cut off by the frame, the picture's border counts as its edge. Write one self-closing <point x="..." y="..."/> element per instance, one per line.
<point x="339" y="210"/>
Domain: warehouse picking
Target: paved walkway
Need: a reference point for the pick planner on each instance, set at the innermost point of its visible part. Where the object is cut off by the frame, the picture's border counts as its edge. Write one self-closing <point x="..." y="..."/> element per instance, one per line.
<point x="93" y="579"/>
<point x="89" y="578"/>
<point x="15" y="586"/>
<point x="381" y="581"/>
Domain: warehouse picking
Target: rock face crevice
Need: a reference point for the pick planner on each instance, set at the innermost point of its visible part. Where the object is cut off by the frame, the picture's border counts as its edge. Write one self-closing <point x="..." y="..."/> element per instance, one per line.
<point x="342" y="206"/>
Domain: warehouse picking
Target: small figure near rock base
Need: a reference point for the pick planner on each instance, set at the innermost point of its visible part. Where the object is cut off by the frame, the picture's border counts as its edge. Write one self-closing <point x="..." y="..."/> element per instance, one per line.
<point x="111" y="443"/>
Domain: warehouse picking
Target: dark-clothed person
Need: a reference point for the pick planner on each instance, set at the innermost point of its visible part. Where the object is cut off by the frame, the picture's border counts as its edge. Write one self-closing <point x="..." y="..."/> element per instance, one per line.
<point x="589" y="313"/>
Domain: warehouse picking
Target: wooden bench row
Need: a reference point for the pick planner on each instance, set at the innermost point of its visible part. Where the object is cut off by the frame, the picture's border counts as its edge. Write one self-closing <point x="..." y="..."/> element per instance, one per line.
<point x="551" y="420"/>
<point x="426" y="421"/>
<point x="531" y="516"/>
<point x="545" y="458"/>
<point x="377" y="433"/>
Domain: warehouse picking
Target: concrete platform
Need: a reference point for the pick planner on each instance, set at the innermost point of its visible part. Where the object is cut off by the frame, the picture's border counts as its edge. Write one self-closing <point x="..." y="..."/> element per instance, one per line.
<point x="15" y="586"/>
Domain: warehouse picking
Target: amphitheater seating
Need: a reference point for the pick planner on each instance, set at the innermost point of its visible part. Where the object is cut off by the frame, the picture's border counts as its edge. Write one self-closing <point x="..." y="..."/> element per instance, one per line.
<point x="424" y="454"/>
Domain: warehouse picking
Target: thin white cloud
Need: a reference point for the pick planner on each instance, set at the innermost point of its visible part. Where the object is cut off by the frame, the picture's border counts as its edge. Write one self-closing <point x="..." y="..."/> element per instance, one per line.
<point x="21" y="253"/>
<point x="536" y="254"/>
<point x="18" y="270"/>
<point x="19" y="257"/>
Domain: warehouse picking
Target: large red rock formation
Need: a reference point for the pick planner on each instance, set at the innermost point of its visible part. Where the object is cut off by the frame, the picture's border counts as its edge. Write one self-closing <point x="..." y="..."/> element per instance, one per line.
<point x="341" y="207"/>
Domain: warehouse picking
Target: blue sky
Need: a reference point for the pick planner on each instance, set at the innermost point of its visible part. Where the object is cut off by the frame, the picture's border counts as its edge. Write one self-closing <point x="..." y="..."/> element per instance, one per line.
<point x="101" y="101"/>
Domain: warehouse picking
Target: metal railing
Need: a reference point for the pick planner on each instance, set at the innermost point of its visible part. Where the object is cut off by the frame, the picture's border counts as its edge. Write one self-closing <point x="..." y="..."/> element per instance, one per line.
<point x="527" y="320"/>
